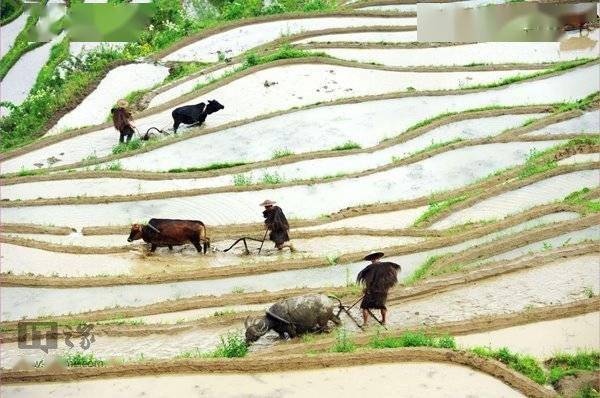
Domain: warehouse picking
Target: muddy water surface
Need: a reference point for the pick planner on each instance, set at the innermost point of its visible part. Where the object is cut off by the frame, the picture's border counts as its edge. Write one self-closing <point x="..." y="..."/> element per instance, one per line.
<point x="581" y="332"/>
<point x="512" y="202"/>
<point x="34" y="302"/>
<point x="569" y="86"/>
<point x="563" y="281"/>
<point x="460" y="167"/>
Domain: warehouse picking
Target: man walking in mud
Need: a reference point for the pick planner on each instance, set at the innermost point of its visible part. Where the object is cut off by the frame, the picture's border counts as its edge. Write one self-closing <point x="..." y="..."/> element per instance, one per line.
<point x="276" y="222"/>
<point x="378" y="278"/>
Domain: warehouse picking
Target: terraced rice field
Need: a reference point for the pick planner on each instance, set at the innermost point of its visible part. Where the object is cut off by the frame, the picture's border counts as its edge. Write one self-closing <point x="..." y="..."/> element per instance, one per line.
<point x="475" y="167"/>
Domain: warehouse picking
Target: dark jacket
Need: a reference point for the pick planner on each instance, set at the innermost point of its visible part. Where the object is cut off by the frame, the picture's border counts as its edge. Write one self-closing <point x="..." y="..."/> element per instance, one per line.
<point x="121" y="119"/>
<point x="378" y="279"/>
<point x="278" y="225"/>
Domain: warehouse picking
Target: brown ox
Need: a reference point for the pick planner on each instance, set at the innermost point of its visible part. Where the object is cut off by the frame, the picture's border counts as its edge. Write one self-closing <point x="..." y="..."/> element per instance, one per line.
<point x="165" y="232"/>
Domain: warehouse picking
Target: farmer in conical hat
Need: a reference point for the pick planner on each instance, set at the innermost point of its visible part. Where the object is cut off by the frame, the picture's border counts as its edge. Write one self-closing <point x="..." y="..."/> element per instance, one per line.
<point x="122" y="120"/>
<point x="276" y="222"/>
<point x="378" y="278"/>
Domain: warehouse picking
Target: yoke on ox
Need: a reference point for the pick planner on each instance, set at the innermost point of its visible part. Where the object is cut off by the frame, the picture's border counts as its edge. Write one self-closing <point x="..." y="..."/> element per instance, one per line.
<point x="165" y="232"/>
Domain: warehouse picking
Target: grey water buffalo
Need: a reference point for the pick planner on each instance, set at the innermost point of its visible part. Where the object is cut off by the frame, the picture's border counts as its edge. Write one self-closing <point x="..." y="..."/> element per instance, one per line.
<point x="165" y="232"/>
<point x="294" y="316"/>
<point x="194" y="114"/>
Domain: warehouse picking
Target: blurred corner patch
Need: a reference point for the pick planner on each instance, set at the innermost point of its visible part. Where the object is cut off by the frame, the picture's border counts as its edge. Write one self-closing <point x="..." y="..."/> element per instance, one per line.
<point x="92" y="22"/>
<point x="509" y="22"/>
<point x="108" y="22"/>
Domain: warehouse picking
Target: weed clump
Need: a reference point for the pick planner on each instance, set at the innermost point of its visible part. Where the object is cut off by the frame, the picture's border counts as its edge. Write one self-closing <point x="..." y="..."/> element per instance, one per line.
<point x="232" y="345"/>
<point x="564" y="364"/>
<point x="132" y="145"/>
<point x="348" y="145"/>
<point x="437" y="207"/>
<point x="212" y="166"/>
<point x="240" y="180"/>
<point x="421" y="271"/>
<point x="281" y="153"/>
<point x="343" y="342"/>
<point x="81" y="360"/>
<point x="524" y="364"/>
<point x="412" y="339"/>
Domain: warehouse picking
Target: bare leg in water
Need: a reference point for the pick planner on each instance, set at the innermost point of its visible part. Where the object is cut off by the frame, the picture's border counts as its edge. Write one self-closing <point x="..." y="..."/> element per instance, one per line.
<point x="384" y="316"/>
<point x="365" y="314"/>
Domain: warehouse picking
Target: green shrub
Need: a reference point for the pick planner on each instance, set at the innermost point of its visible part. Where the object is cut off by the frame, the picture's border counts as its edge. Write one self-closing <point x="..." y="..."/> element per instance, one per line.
<point x="272" y="179"/>
<point x="81" y="360"/>
<point x="114" y="166"/>
<point x="348" y="145"/>
<point x="60" y="84"/>
<point x="587" y="392"/>
<point x="281" y="153"/>
<point x="10" y="10"/>
<point x="241" y="180"/>
<point x="343" y="343"/>
<point x="232" y="345"/>
<point x="564" y="364"/>
<point x="421" y="271"/>
<point x="132" y="145"/>
<point x="579" y="104"/>
<point x="65" y="79"/>
<point x="412" y="339"/>
<point x="21" y="45"/>
<point x="437" y="207"/>
<point x="524" y="364"/>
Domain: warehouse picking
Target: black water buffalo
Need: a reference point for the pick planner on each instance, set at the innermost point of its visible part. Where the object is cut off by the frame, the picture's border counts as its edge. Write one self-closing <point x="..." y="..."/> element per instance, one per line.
<point x="165" y="232"/>
<point x="194" y="114"/>
<point x="294" y="316"/>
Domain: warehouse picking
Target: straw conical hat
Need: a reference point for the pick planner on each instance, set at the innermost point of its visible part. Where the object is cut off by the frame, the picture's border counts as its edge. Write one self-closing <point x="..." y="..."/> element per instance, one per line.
<point x="373" y="256"/>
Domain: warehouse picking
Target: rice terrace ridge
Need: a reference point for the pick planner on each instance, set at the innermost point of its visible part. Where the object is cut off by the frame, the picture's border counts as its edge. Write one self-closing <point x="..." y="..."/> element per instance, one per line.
<point x="300" y="198"/>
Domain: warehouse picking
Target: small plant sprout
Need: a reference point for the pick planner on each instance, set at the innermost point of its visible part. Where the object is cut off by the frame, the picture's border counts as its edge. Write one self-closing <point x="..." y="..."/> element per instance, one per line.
<point x="588" y="292"/>
<point x="332" y="259"/>
<point x="281" y="153"/>
<point x="238" y="290"/>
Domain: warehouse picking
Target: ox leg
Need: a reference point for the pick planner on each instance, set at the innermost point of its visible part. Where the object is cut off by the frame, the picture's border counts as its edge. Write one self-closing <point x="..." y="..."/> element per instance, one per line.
<point x="336" y="319"/>
<point x="153" y="248"/>
<point x="176" y="126"/>
<point x="197" y="245"/>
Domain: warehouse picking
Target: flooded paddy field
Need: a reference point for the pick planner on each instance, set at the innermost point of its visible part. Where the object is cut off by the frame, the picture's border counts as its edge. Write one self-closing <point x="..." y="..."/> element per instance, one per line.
<point x="415" y="109"/>
<point x="412" y="379"/>
<point x="35" y="302"/>
<point x="471" y="166"/>
<point x="462" y="166"/>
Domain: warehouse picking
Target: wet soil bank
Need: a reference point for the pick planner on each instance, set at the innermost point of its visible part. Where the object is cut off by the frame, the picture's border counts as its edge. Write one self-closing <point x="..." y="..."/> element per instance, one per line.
<point x="287" y="363"/>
